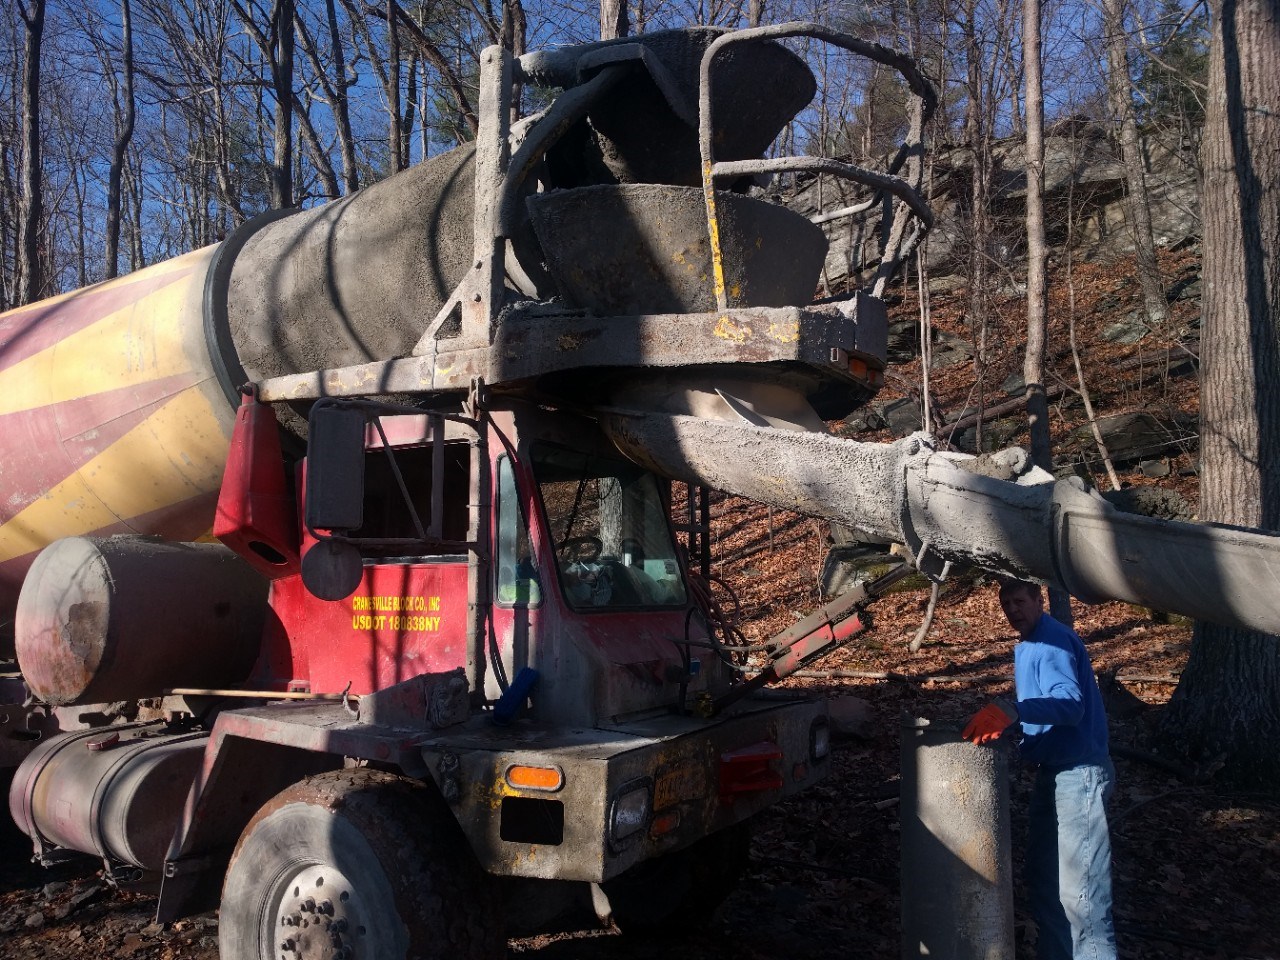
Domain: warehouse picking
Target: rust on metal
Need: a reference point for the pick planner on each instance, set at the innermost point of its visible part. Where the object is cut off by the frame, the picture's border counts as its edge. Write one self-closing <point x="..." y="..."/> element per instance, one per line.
<point x="127" y="617"/>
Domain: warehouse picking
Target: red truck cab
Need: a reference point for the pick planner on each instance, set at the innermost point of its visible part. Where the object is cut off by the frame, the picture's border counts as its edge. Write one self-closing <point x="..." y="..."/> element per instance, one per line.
<point x="538" y="659"/>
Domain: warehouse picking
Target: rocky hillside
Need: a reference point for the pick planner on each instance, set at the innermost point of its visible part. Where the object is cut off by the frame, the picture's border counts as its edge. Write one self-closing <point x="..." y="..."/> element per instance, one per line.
<point x="1084" y="186"/>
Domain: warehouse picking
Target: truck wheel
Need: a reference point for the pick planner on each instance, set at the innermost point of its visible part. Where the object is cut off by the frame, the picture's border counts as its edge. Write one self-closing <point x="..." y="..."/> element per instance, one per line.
<point x="357" y="865"/>
<point x="682" y="891"/>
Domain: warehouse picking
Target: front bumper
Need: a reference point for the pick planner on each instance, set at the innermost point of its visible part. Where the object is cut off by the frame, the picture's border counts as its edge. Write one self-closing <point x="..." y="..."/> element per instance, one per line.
<point x="699" y="777"/>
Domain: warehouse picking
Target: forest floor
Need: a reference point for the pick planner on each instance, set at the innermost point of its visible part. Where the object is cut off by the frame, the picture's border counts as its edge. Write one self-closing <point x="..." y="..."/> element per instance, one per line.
<point x="1197" y="867"/>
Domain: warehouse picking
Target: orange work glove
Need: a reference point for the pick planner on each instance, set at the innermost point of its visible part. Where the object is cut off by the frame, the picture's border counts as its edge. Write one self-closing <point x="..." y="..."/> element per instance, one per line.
<point x="990" y="722"/>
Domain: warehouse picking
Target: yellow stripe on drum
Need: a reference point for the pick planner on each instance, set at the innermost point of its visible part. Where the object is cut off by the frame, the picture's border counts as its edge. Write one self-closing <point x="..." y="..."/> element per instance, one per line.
<point x="145" y="275"/>
<point x="175" y="454"/>
<point x="144" y="340"/>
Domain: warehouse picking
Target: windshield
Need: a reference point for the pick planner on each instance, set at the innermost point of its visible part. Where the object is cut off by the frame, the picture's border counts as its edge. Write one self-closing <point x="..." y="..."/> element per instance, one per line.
<point x="609" y="527"/>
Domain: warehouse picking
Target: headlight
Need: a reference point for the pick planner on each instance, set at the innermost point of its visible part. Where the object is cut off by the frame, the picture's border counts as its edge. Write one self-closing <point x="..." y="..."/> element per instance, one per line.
<point x="630" y="811"/>
<point x="819" y="739"/>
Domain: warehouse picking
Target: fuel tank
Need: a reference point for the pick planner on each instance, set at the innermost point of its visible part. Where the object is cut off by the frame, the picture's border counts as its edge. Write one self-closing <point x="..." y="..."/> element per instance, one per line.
<point x="117" y="793"/>
<point x="124" y="618"/>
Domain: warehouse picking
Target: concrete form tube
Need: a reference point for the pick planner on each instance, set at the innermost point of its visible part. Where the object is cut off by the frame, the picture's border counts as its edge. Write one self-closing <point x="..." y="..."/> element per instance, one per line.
<point x="957" y="887"/>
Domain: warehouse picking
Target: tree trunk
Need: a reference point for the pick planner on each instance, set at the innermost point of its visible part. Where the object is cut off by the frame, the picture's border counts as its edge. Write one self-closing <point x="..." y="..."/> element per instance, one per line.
<point x="315" y="149"/>
<point x="1037" y="262"/>
<point x="1227" y="705"/>
<point x="395" y="146"/>
<point x="613" y="19"/>
<point x="450" y="74"/>
<point x="8" y="220"/>
<point x="1086" y="396"/>
<point x="120" y="145"/>
<point x="137" y="260"/>
<point x="336" y="91"/>
<point x="31" y="191"/>
<point x="410" y="110"/>
<point x="341" y="107"/>
<point x="1137" y="205"/>
<point x="514" y="34"/>
<point x="77" y="191"/>
<point x="1037" y="253"/>
<point x="276" y="45"/>
<point x="979" y="137"/>
<point x="281" y="56"/>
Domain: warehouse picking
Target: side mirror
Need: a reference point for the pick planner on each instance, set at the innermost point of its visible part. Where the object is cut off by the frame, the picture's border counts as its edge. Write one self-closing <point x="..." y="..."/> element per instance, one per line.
<point x="335" y="469"/>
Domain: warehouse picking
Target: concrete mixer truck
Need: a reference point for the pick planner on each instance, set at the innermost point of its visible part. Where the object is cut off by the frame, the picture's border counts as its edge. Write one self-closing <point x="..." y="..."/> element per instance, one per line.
<point x="339" y="559"/>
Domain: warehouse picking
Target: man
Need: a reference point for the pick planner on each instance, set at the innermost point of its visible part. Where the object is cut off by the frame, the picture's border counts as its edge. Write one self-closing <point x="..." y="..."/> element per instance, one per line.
<point x="1064" y="738"/>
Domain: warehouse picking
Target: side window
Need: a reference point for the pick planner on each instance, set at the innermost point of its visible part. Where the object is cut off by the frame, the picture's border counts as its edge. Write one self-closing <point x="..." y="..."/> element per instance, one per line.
<point x="385" y="512"/>
<point x="516" y="575"/>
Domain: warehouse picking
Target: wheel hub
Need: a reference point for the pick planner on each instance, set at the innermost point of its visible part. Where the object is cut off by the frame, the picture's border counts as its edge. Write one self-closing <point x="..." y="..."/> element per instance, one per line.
<point x="320" y="917"/>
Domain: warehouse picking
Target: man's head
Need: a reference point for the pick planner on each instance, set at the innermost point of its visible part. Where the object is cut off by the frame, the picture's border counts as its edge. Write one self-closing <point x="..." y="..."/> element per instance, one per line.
<point x="1022" y="603"/>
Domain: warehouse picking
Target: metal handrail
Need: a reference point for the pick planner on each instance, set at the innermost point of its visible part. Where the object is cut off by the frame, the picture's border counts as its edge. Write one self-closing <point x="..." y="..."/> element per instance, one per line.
<point x="900" y="188"/>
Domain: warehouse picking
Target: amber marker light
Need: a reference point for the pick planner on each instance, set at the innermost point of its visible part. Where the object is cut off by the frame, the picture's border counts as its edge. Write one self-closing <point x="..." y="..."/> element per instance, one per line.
<point x="664" y="823"/>
<point x="548" y="779"/>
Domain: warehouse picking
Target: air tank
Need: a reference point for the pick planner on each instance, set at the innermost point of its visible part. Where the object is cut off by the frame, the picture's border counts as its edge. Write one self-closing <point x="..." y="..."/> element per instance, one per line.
<point x="125" y="618"/>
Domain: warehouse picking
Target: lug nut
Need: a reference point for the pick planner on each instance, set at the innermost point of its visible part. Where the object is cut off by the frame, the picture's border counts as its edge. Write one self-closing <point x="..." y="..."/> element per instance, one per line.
<point x="340" y="925"/>
<point x="325" y="908"/>
<point x="309" y="905"/>
<point x="287" y="945"/>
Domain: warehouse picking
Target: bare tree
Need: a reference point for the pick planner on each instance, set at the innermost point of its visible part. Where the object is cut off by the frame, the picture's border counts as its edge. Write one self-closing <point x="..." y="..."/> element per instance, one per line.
<point x="190" y="72"/>
<point x="275" y="39"/>
<point x="31" y="281"/>
<point x="978" y="136"/>
<point x="1086" y="395"/>
<point x="1225" y="708"/>
<point x="316" y="150"/>
<point x="613" y="19"/>
<point x="1137" y="204"/>
<point x="335" y="84"/>
<point x="1037" y="252"/>
<point x="1037" y="264"/>
<point x="395" y="144"/>
<point x="432" y="53"/>
<point x="124" y="114"/>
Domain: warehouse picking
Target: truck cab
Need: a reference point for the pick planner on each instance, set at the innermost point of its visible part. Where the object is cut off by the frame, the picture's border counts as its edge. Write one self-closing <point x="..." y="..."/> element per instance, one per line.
<point x="586" y="584"/>
<point x="519" y="633"/>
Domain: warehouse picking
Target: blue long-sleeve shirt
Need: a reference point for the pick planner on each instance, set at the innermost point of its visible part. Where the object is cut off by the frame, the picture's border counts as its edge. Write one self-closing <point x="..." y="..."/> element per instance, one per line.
<point x="1063" y="720"/>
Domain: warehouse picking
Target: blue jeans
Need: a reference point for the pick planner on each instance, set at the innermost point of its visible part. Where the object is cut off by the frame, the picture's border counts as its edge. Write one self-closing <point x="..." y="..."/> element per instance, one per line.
<point x="1069" y="863"/>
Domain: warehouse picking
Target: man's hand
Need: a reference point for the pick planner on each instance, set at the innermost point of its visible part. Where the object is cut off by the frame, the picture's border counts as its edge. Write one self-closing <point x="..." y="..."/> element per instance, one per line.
<point x="990" y="722"/>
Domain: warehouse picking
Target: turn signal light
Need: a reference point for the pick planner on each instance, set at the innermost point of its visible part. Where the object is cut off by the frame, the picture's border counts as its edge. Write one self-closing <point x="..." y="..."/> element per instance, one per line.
<point x="664" y="823"/>
<point x="522" y="777"/>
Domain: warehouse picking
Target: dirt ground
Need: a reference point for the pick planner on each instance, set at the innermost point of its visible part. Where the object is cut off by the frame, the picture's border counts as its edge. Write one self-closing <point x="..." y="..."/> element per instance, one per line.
<point x="1197" y="870"/>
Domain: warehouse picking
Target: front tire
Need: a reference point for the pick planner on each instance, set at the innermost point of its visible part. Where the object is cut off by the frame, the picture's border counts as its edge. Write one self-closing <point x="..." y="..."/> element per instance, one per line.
<point x="356" y="865"/>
